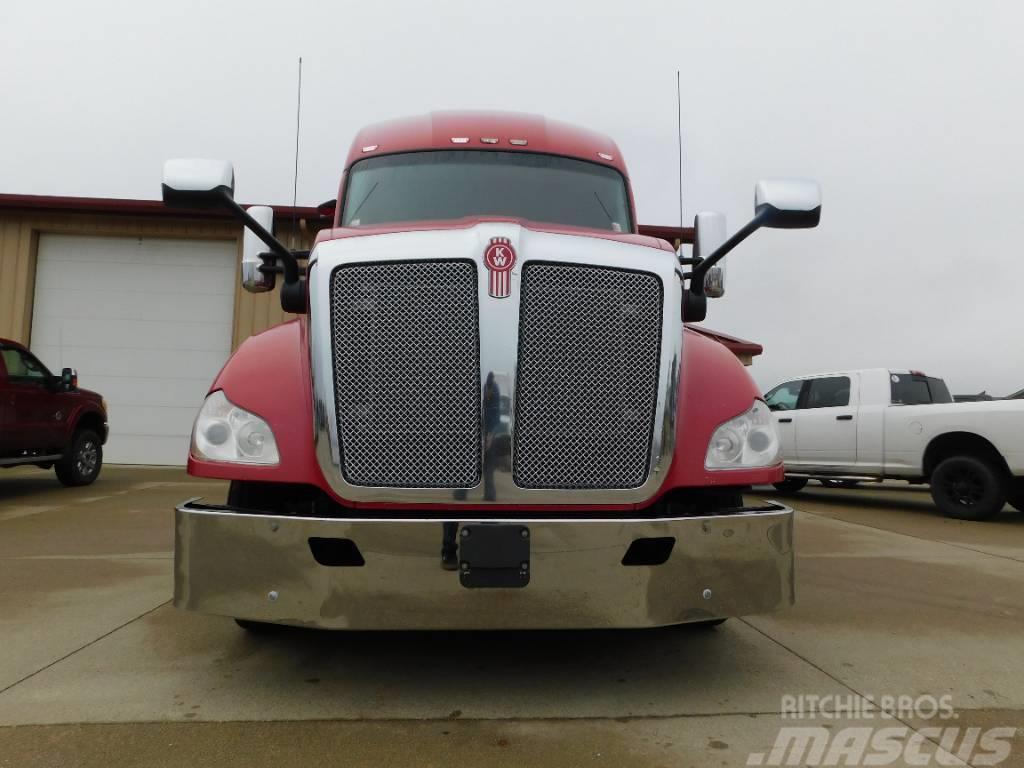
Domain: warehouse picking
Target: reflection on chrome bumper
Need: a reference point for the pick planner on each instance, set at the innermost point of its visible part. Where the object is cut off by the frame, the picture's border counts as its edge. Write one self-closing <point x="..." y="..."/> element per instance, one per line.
<point x="262" y="567"/>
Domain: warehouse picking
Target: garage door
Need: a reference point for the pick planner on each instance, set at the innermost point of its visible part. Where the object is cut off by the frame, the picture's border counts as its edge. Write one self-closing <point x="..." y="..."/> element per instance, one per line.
<point x="147" y="323"/>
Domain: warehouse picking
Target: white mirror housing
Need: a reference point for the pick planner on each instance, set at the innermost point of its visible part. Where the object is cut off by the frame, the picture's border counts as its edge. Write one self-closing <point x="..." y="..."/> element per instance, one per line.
<point x="197" y="183"/>
<point x="253" y="280"/>
<point x="709" y="233"/>
<point x="788" y="203"/>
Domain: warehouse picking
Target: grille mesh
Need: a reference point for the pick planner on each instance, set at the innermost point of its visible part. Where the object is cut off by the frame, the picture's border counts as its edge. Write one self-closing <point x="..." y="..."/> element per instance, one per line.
<point x="407" y="373"/>
<point x="586" y="390"/>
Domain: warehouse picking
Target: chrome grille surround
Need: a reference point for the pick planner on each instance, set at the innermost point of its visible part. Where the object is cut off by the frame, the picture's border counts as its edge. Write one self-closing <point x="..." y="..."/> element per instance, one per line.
<point x="499" y="338"/>
<point x="587" y="379"/>
<point x="405" y="340"/>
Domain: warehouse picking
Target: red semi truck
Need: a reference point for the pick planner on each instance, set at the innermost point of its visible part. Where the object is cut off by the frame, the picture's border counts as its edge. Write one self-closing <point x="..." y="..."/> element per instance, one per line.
<point x="487" y="412"/>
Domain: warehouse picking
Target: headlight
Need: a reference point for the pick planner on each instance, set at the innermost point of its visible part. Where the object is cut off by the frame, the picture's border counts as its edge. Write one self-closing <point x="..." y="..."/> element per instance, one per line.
<point x="225" y="432"/>
<point x="749" y="440"/>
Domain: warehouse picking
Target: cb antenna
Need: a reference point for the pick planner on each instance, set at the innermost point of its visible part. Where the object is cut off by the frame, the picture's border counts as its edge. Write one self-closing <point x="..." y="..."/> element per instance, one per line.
<point x="295" y="183"/>
<point x="679" y="134"/>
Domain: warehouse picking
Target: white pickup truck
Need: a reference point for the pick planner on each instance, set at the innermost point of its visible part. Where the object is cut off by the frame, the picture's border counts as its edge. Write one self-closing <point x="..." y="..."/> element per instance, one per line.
<point x="875" y="423"/>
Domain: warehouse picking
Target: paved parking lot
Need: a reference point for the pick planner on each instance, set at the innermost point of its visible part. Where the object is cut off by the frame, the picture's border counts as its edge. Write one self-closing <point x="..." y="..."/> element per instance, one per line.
<point x="97" y="668"/>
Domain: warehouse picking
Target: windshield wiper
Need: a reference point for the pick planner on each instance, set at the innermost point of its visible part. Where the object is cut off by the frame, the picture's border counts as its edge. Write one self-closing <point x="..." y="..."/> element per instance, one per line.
<point x="360" y="206"/>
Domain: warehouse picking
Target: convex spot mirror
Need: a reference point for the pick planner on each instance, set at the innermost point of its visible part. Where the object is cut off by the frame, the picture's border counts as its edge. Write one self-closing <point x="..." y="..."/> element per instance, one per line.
<point x="787" y="203"/>
<point x="253" y="280"/>
<point x="197" y="183"/>
<point x="709" y="234"/>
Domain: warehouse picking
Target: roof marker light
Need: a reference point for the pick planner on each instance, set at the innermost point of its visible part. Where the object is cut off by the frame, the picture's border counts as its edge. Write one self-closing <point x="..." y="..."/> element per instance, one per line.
<point x="605" y="156"/>
<point x="489" y="141"/>
<point x="369" y="148"/>
<point x="460" y="140"/>
<point x="518" y="142"/>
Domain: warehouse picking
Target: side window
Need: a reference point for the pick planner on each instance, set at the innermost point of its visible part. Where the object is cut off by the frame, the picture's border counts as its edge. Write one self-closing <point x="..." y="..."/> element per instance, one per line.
<point x="829" y="392"/>
<point x="909" y="390"/>
<point x="784" y="397"/>
<point x="939" y="390"/>
<point x="21" y="366"/>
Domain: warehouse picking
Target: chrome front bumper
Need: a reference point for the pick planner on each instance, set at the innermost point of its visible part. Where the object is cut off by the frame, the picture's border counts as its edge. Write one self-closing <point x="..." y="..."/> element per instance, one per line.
<point x="261" y="567"/>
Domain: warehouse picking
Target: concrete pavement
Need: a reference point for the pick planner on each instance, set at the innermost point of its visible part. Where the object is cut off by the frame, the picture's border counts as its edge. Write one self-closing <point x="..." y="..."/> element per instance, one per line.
<point x="98" y="669"/>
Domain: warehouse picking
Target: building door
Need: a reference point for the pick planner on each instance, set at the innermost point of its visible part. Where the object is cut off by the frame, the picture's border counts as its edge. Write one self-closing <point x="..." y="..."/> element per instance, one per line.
<point x="146" y="322"/>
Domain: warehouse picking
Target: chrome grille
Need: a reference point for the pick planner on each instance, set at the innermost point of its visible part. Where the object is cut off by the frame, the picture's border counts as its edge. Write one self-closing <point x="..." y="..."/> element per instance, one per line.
<point x="587" y="382"/>
<point x="407" y="373"/>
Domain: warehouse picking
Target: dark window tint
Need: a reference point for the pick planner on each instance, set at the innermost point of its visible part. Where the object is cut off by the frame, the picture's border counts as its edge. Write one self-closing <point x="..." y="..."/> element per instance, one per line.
<point x="784" y="397"/>
<point x="939" y="390"/>
<point x="441" y="185"/>
<point x="913" y="389"/>
<point x="829" y="392"/>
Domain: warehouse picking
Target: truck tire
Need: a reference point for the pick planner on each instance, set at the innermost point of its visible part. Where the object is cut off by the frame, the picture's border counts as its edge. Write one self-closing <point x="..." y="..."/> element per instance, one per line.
<point x="968" y="488"/>
<point x="791" y="484"/>
<point x="82" y="462"/>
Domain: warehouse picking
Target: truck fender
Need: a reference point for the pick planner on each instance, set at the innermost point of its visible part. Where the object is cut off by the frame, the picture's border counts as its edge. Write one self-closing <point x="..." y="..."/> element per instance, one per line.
<point x="269" y="376"/>
<point x="714" y="386"/>
<point x="960" y="443"/>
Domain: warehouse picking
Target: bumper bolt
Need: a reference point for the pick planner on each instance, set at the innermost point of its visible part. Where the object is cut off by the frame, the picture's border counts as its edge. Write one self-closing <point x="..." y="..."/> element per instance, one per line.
<point x="272" y="595"/>
<point x="524" y="566"/>
<point x="274" y="527"/>
<point x="464" y="532"/>
<point x="465" y="565"/>
<point x="525" y="533"/>
<point x="706" y="594"/>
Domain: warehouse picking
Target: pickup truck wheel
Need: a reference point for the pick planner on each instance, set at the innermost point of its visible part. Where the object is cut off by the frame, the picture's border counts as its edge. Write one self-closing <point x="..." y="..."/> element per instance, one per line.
<point x="791" y="484"/>
<point x="82" y="463"/>
<point x="968" y="488"/>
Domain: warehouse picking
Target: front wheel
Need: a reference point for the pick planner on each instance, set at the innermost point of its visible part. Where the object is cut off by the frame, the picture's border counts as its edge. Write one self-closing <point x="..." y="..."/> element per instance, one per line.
<point x="968" y="488"/>
<point x="791" y="484"/>
<point x="82" y="463"/>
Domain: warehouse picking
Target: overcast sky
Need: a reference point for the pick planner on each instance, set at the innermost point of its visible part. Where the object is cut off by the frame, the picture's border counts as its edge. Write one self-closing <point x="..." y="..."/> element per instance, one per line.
<point x="910" y="114"/>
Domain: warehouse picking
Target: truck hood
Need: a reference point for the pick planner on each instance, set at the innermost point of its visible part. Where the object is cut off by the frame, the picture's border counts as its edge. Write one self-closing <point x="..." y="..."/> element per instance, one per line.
<point x="88" y="394"/>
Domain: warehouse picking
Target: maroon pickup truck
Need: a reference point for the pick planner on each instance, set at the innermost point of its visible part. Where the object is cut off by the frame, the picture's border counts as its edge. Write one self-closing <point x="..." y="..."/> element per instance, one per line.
<point x="47" y="420"/>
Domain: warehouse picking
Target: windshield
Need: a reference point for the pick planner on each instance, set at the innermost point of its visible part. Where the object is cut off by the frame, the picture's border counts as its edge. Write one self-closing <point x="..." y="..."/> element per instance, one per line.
<point x="451" y="184"/>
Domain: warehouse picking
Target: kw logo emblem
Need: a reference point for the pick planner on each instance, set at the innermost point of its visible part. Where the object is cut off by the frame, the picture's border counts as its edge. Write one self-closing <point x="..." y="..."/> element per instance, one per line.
<point x="499" y="258"/>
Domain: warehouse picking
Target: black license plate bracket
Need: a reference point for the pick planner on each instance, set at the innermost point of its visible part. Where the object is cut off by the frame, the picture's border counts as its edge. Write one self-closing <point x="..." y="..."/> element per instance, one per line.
<point x="494" y="555"/>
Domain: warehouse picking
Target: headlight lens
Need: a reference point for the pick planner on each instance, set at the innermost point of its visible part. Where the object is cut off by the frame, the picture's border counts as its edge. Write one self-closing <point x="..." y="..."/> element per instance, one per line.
<point x="225" y="432"/>
<point x="749" y="440"/>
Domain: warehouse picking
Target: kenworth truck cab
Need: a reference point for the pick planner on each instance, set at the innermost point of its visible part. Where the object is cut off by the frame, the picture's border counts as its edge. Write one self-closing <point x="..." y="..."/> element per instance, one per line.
<point x="487" y="412"/>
